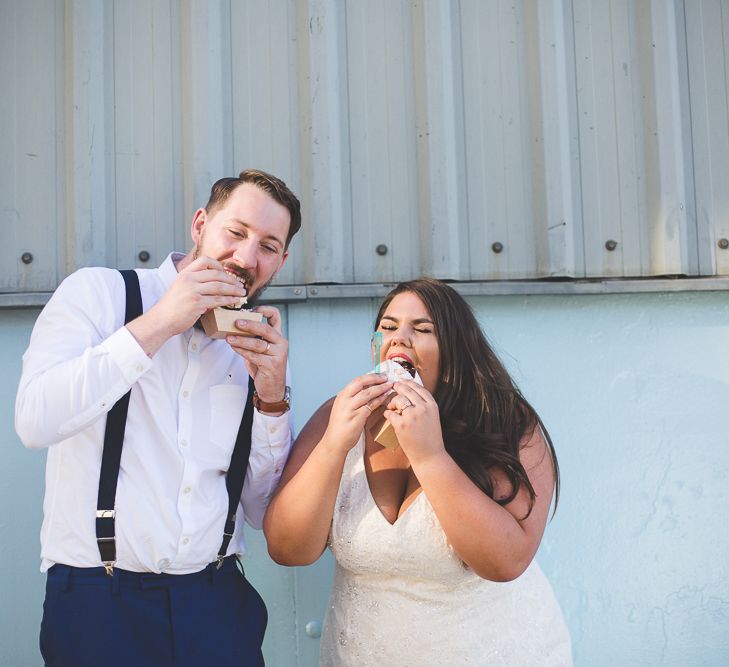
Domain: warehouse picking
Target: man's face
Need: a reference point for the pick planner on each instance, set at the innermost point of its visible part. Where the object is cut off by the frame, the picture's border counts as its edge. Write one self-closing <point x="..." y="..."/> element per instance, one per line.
<point x="247" y="235"/>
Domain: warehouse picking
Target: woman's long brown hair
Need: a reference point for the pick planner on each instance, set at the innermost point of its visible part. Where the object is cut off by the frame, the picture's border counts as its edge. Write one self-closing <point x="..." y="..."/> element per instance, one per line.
<point x="483" y="415"/>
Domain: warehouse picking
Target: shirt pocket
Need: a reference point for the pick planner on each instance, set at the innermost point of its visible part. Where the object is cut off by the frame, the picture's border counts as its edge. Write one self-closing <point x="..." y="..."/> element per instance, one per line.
<point x="227" y="402"/>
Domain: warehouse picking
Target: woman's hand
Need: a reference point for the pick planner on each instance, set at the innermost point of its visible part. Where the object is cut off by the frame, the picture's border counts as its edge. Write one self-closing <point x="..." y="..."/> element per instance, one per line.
<point x="414" y="415"/>
<point x="351" y="409"/>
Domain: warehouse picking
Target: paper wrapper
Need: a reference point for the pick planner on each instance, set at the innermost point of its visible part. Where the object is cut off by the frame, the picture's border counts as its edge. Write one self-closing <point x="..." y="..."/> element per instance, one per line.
<point x="382" y="430"/>
<point x="220" y="322"/>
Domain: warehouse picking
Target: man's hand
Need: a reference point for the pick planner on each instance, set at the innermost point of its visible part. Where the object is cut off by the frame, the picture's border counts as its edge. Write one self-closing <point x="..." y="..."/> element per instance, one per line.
<point x="201" y="285"/>
<point x="265" y="354"/>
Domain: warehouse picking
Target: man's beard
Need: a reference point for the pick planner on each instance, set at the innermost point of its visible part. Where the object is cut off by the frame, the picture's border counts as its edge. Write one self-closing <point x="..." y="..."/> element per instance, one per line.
<point x="253" y="297"/>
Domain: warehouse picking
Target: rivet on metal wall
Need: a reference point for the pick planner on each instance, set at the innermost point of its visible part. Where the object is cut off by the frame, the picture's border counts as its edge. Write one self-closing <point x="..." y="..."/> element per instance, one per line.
<point x="313" y="629"/>
<point x="611" y="245"/>
<point x="143" y="256"/>
<point x="723" y="244"/>
<point x="381" y="249"/>
<point x="313" y="291"/>
<point x="497" y="247"/>
<point x="26" y="258"/>
<point x="297" y="291"/>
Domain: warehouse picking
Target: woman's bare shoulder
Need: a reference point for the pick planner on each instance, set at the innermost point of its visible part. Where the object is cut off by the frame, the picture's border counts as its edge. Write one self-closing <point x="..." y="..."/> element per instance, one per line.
<point x="320" y="418"/>
<point x="307" y="440"/>
<point x="315" y="427"/>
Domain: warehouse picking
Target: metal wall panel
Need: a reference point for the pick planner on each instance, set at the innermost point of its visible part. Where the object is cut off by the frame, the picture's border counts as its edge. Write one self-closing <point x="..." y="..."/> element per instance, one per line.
<point x="440" y="140"/>
<point x="558" y="229"/>
<point x="146" y="129"/>
<point x="472" y="140"/>
<point x="325" y="164"/>
<point x="383" y="143"/>
<point x="264" y="85"/>
<point x="632" y="185"/>
<point x="707" y="37"/>
<point x="88" y="109"/>
<point x="31" y="148"/>
<point x="499" y="176"/>
<point x="207" y="104"/>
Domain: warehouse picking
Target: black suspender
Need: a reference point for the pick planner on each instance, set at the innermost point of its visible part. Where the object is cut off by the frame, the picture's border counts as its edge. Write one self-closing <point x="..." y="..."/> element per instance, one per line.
<point x="114" y="439"/>
<point x="237" y="471"/>
<point x="116" y="422"/>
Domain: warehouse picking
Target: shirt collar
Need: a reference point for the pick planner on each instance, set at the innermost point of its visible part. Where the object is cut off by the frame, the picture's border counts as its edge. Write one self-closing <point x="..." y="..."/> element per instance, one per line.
<point x="168" y="270"/>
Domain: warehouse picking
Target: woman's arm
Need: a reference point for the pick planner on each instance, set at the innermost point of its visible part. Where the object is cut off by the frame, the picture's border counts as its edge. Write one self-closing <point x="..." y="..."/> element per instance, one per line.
<point x="296" y="524"/>
<point x="497" y="542"/>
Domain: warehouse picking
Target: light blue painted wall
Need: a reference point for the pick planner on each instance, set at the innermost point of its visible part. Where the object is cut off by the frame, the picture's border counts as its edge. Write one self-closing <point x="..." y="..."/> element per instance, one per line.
<point x="21" y="510"/>
<point x="634" y="389"/>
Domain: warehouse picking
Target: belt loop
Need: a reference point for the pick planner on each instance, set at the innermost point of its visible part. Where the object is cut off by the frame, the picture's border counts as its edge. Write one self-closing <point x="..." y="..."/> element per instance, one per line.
<point x="212" y="571"/>
<point x="115" y="581"/>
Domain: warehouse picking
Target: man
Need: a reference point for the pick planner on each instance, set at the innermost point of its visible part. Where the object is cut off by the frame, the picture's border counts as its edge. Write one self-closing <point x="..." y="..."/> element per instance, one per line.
<point x="141" y="581"/>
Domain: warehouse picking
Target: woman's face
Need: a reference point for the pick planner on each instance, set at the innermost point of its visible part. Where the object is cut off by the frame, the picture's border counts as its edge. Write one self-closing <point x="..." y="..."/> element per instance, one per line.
<point x="408" y="335"/>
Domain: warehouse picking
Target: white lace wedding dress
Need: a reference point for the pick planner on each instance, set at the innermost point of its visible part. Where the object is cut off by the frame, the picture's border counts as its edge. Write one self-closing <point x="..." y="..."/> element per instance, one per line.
<point x="402" y="597"/>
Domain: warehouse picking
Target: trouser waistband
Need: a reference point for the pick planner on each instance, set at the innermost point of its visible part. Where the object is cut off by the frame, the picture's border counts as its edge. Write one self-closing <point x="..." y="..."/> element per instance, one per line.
<point x="66" y="575"/>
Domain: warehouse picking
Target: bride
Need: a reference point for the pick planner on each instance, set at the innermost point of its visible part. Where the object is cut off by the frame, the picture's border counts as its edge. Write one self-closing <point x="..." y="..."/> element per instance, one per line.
<point x="434" y="540"/>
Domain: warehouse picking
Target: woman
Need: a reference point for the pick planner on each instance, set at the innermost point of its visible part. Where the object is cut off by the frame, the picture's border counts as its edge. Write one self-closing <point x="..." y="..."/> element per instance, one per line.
<point x="434" y="541"/>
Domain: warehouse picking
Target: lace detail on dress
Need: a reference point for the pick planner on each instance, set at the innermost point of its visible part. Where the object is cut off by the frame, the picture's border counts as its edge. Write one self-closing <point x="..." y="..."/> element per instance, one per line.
<point x="402" y="597"/>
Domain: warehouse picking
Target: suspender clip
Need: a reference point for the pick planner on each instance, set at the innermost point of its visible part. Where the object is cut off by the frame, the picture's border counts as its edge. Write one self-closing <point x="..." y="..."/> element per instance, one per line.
<point x="107" y="550"/>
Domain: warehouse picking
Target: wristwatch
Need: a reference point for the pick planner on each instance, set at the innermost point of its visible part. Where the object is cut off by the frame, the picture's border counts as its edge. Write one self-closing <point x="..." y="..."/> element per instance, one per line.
<point x="278" y="406"/>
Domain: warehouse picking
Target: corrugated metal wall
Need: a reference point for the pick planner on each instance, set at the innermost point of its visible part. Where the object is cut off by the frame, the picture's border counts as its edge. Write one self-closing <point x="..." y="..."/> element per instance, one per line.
<point x="472" y="139"/>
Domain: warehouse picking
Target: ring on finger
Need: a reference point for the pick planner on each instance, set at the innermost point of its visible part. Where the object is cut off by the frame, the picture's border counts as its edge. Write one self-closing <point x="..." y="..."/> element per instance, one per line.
<point x="409" y="405"/>
<point x="268" y="347"/>
<point x="367" y="405"/>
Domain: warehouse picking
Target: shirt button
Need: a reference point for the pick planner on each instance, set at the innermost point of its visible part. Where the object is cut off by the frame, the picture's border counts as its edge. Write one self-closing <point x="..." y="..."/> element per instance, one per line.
<point x="185" y="393"/>
<point x="164" y="563"/>
<point x="183" y="443"/>
<point x="187" y="489"/>
<point x="277" y="469"/>
<point x="193" y="347"/>
<point x="185" y="540"/>
<point x="273" y="429"/>
<point x="140" y="368"/>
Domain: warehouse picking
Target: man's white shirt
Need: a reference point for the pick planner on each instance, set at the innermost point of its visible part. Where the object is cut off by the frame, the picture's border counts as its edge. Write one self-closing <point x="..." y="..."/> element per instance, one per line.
<point x="184" y="413"/>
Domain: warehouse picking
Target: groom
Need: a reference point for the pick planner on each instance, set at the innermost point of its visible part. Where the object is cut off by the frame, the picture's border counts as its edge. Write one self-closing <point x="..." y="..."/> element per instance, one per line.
<point x="151" y="428"/>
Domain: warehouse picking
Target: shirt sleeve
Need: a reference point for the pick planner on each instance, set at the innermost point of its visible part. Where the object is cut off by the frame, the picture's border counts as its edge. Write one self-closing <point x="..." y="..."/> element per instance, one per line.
<point x="81" y="359"/>
<point x="271" y="440"/>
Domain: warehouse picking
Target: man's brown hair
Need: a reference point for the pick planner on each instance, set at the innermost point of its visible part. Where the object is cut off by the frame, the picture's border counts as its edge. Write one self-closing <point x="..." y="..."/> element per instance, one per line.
<point x="275" y="187"/>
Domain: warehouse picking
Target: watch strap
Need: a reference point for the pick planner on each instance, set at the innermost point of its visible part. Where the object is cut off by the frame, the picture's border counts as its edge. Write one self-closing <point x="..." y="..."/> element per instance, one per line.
<point x="276" y="406"/>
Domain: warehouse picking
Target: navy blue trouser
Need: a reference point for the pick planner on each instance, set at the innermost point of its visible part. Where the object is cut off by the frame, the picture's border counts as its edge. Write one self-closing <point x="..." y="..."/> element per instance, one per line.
<point x="212" y="617"/>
